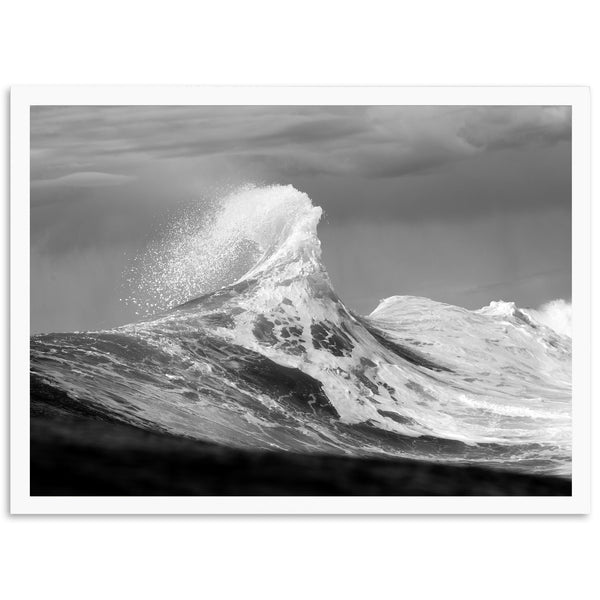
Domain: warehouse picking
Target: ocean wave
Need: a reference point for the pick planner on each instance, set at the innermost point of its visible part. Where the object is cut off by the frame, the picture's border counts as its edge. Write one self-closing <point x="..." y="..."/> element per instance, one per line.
<point x="557" y="314"/>
<point x="273" y="358"/>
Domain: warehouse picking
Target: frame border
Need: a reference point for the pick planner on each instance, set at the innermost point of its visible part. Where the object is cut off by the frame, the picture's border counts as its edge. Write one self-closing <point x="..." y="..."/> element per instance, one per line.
<point x="23" y="97"/>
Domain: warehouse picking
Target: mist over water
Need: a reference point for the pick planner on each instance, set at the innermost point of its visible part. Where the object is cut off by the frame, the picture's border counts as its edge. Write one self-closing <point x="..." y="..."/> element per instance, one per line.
<point x="557" y="314"/>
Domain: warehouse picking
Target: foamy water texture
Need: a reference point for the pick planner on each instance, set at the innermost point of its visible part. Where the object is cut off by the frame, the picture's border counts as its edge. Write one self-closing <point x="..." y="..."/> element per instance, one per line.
<point x="558" y="315"/>
<point x="202" y="250"/>
<point x="253" y="348"/>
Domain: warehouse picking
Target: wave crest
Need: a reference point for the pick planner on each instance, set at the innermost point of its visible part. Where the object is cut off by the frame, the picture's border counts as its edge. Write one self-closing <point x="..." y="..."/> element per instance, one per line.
<point x="557" y="315"/>
<point x="234" y="237"/>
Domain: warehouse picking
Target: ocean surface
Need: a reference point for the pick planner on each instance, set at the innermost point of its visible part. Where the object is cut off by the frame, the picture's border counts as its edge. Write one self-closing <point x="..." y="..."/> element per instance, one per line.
<point x="276" y="361"/>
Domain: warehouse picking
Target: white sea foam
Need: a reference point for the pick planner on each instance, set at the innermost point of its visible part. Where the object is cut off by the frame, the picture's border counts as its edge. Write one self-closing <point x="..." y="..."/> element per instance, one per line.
<point x="557" y="315"/>
<point x="232" y="237"/>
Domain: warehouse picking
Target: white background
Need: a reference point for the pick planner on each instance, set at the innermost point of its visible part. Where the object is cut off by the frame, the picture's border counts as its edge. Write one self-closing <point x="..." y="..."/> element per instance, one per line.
<point x="420" y="43"/>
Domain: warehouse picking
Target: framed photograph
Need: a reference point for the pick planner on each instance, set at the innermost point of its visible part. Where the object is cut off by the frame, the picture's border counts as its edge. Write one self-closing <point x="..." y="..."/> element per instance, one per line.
<point x="340" y="300"/>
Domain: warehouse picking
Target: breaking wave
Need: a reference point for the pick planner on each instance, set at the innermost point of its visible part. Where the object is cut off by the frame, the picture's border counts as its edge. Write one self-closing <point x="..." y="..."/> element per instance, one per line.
<point x="270" y="357"/>
<point x="557" y="314"/>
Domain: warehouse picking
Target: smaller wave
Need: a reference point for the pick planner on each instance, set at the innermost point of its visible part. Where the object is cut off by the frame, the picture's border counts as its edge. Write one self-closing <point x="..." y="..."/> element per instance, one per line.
<point x="557" y="315"/>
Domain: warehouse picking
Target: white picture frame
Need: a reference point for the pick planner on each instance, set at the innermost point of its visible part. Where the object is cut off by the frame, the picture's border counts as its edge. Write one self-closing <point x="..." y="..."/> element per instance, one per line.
<point x="24" y="97"/>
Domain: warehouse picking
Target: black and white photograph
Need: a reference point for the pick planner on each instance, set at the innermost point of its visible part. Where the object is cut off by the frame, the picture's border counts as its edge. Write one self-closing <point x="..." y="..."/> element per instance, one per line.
<point x="300" y="300"/>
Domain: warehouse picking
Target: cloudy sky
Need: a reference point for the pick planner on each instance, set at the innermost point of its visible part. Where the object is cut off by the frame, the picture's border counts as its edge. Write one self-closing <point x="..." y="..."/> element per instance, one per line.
<point x="460" y="204"/>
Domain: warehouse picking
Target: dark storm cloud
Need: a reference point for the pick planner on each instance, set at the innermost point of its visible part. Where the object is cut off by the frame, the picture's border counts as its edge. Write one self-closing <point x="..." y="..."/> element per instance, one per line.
<point x="312" y="131"/>
<point x="414" y="140"/>
<point x="506" y="127"/>
<point x="369" y="141"/>
<point x="83" y="179"/>
<point x="102" y="133"/>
